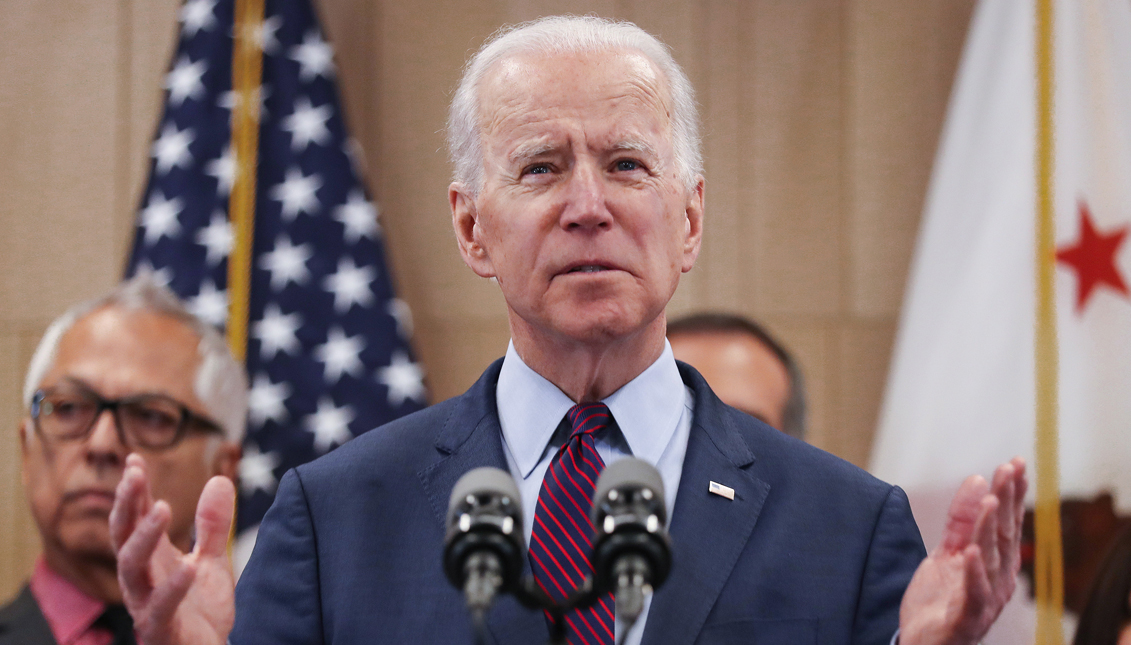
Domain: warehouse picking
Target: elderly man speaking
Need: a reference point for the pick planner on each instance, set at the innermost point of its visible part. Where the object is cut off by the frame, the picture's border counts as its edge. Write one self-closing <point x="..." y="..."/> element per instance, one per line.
<point x="578" y="188"/>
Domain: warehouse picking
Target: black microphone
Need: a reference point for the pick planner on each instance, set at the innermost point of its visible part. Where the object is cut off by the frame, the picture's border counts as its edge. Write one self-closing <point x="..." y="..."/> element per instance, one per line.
<point x="631" y="549"/>
<point x="483" y="548"/>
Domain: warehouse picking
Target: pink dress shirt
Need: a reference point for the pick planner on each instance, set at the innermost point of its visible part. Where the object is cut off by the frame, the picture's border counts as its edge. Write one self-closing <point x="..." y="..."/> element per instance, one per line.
<point x="70" y="612"/>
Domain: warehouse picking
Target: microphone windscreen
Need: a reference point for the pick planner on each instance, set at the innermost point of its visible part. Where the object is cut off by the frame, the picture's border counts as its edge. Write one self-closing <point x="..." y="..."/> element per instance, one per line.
<point x="632" y="472"/>
<point x="481" y="481"/>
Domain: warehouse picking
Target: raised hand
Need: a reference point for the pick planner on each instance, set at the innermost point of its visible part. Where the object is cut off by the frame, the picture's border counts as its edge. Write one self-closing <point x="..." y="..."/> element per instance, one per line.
<point x="958" y="591"/>
<point x="174" y="597"/>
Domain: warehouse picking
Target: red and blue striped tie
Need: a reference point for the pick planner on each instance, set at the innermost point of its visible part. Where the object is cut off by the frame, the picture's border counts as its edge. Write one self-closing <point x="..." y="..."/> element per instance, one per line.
<point x="560" y="542"/>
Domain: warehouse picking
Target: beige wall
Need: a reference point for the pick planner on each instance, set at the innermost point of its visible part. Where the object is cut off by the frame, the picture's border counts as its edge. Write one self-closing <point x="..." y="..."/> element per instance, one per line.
<point x="820" y="121"/>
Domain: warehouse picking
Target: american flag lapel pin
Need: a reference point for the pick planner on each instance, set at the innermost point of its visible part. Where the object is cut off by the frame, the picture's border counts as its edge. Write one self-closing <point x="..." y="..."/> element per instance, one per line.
<point x="720" y="490"/>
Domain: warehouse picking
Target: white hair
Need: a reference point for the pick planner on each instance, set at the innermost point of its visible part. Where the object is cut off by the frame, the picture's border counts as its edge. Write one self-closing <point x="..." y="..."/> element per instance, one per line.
<point x="220" y="382"/>
<point x="558" y="34"/>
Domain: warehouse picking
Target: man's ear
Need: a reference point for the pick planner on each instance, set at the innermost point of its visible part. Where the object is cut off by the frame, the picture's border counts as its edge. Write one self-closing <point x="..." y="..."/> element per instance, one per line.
<point x="24" y="428"/>
<point x="226" y="461"/>
<point x="469" y="231"/>
<point x="693" y="225"/>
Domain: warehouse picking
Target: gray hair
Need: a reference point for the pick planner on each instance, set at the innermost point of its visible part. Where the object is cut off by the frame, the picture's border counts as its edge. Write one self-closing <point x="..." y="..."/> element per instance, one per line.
<point x="220" y="381"/>
<point x="557" y="34"/>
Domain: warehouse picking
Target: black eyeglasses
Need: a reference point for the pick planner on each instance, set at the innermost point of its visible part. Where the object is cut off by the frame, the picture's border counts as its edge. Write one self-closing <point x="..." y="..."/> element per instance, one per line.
<point x="154" y="421"/>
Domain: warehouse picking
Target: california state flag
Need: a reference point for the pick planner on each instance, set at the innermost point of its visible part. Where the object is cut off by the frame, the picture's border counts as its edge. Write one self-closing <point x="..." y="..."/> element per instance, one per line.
<point x="961" y="391"/>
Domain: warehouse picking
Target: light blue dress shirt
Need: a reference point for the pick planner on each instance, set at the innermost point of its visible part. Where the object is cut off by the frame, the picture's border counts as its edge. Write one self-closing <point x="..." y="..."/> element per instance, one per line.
<point x="652" y="411"/>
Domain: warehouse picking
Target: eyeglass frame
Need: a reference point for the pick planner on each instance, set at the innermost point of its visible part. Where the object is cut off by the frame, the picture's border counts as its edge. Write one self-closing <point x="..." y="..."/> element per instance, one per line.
<point x="188" y="417"/>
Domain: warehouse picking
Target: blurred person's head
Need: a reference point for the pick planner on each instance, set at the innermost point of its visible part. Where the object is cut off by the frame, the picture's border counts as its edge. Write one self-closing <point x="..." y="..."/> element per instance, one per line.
<point x="1106" y="619"/>
<point x="745" y="366"/>
<point x="132" y="371"/>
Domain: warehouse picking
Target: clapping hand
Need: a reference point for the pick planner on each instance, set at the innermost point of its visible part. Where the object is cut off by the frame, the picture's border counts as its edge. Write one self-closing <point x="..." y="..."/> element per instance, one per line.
<point x="959" y="590"/>
<point x="174" y="597"/>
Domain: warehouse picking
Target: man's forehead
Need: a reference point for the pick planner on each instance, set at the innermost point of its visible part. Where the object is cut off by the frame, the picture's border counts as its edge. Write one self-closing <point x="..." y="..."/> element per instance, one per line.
<point x="128" y="349"/>
<point x="558" y="76"/>
<point x="523" y="91"/>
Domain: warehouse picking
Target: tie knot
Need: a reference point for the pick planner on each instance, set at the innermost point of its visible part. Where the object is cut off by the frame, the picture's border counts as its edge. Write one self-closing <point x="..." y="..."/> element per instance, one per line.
<point x="587" y="418"/>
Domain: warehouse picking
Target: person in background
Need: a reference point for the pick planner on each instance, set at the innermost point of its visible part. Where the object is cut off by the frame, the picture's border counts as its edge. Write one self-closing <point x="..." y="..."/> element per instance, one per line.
<point x="746" y="367"/>
<point x="132" y="371"/>
<point x="1106" y="619"/>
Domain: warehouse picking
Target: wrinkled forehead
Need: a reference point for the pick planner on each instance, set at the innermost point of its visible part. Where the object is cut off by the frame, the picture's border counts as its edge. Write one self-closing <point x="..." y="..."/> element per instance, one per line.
<point x="123" y="352"/>
<point x="532" y="83"/>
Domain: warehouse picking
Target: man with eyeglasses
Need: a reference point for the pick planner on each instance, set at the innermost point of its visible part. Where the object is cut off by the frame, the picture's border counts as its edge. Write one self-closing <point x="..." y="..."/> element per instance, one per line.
<point x="131" y="372"/>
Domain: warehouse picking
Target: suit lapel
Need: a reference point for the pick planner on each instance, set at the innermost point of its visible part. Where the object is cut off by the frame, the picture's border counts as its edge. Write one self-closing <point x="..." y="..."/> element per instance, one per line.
<point x="471" y="438"/>
<point x="708" y="531"/>
<point x="22" y="622"/>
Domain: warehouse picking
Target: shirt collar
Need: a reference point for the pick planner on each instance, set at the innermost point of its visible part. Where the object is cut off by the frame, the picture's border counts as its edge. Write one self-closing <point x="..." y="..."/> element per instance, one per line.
<point x="647" y="409"/>
<point x="68" y="610"/>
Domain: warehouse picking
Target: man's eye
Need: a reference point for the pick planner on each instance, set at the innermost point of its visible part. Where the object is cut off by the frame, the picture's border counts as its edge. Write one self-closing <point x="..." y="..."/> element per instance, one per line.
<point x="537" y="169"/>
<point x="627" y="165"/>
<point x="67" y="408"/>
<point x="151" y="417"/>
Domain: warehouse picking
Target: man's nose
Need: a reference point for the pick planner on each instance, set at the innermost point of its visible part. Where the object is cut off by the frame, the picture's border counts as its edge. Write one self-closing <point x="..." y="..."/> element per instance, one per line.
<point x="586" y="199"/>
<point x="104" y="444"/>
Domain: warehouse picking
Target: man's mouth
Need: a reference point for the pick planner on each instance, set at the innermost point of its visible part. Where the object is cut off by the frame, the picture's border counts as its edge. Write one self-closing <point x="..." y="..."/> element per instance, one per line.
<point x="588" y="268"/>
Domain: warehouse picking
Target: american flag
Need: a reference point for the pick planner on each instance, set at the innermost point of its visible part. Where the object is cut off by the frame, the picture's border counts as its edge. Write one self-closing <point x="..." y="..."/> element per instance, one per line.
<point x="328" y="353"/>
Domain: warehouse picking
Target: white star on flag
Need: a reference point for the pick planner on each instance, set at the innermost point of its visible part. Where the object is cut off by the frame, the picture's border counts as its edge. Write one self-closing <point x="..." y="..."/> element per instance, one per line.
<point x="159" y="217"/>
<point x="223" y="168"/>
<point x="210" y="305"/>
<point x="330" y="424"/>
<point x="297" y="193"/>
<point x="230" y="99"/>
<point x="350" y="285"/>
<point x="315" y="57"/>
<point x="263" y="34"/>
<point x="340" y="354"/>
<point x="399" y="310"/>
<point x="308" y="123"/>
<point x="196" y="15"/>
<point x="286" y="263"/>
<point x="277" y="331"/>
<point x="216" y="238"/>
<point x="257" y="470"/>
<point x="162" y="276"/>
<point x="184" y="80"/>
<point x="359" y="216"/>
<point x="265" y="401"/>
<point x="404" y="379"/>
<point x="171" y="149"/>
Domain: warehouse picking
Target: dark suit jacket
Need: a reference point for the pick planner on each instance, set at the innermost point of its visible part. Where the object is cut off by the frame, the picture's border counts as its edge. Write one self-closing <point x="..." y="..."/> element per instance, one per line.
<point x="22" y="623"/>
<point x="811" y="550"/>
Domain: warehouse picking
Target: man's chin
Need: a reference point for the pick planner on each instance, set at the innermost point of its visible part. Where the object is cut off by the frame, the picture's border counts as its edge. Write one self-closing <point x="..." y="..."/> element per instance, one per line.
<point x="88" y="540"/>
<point x="597" y="327"/>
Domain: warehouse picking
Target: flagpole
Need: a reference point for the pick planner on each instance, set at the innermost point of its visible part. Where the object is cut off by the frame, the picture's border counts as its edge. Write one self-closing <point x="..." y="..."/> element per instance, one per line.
<point x="1049" y="565"/>
<point x="247" y="74"/>
<point x="247" y="71"/>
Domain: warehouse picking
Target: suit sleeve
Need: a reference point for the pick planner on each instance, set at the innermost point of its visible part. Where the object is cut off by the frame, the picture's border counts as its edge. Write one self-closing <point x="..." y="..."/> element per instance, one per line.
<point x="278" y="598"/>
<point x="893" y="556"/>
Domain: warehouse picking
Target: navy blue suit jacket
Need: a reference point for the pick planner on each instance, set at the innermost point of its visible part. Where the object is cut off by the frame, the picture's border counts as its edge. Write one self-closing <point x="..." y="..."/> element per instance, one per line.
<point x="811" y="549"/>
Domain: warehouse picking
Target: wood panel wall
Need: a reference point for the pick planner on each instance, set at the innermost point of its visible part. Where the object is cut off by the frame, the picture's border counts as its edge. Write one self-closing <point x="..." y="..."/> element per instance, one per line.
<point x="820" y="120"/>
